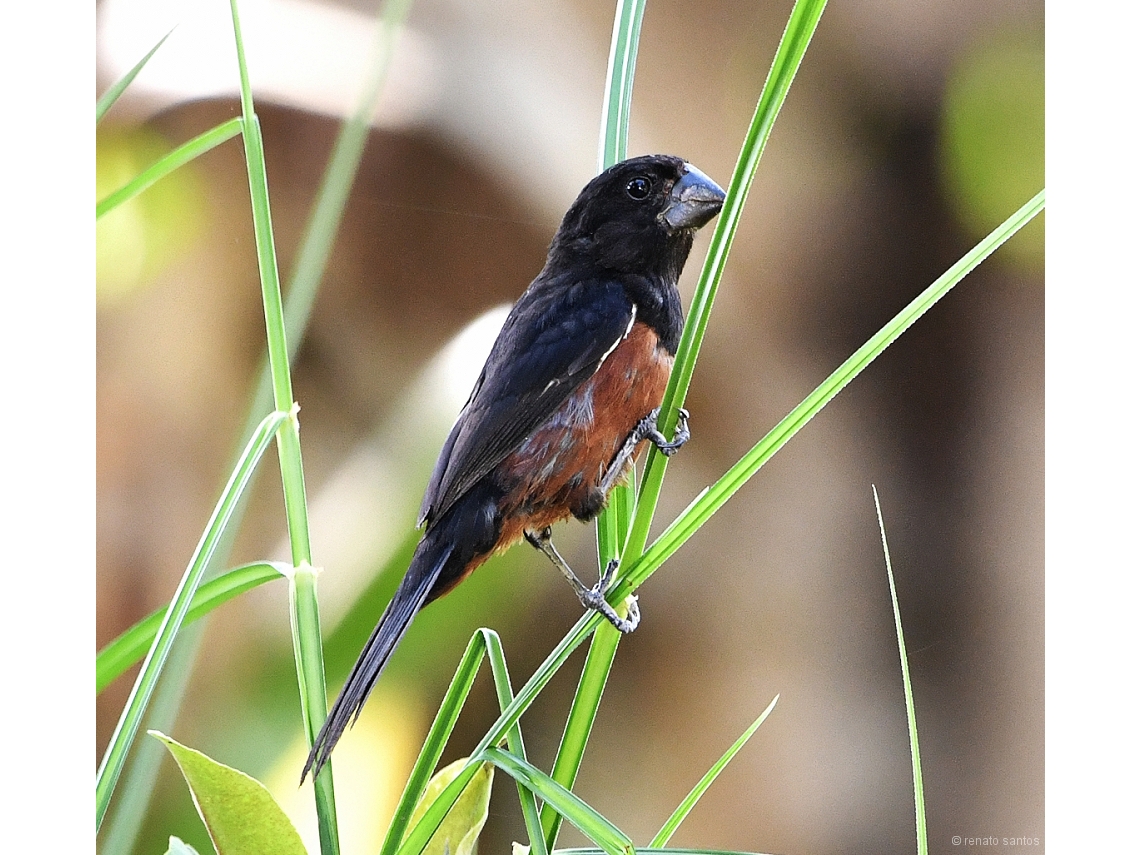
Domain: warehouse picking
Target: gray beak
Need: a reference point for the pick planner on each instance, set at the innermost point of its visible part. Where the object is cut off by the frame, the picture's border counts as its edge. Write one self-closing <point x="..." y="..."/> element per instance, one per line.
<point x="695" y="200"/>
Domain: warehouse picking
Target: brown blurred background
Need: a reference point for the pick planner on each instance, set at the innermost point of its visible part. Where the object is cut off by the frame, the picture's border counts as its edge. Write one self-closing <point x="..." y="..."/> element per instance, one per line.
<point x="912" y="129"/>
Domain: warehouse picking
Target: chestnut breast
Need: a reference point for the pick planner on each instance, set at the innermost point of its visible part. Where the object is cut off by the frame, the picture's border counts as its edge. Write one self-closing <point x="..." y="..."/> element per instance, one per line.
<point x="555" y="473"/>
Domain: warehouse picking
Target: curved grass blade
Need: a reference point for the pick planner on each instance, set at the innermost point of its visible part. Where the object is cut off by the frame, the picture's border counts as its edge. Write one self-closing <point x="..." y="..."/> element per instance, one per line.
<point x="436" y="741"/>
<point x="483" y="642"/>
<point x="179" y="157"/>
<point x="714" y="497"/>
<point x="417" y="837"/>
<point x="515" y="743"/>
<point x="585" y="818"/>
<point x="119" y="655"/>
<point x="908" y="694"/>
<point x="112" y="94"/>
<point x="131" y="717"/>
<point x="689" y="802"/>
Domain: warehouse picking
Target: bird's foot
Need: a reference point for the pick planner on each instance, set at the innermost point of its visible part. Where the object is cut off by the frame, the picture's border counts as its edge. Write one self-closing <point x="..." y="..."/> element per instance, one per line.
<point x="595" y="598"/>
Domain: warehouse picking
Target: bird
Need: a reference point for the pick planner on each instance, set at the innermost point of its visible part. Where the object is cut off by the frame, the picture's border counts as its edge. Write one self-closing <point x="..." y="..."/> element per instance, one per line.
<point x="571" y="389"/>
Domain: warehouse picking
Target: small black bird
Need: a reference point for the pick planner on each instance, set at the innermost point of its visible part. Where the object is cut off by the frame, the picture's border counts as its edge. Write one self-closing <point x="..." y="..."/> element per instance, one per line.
<point x="570" y="389"/>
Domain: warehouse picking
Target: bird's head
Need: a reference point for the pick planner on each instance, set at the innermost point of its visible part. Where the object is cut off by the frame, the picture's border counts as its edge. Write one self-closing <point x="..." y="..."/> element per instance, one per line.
<point x="639" y="216"/>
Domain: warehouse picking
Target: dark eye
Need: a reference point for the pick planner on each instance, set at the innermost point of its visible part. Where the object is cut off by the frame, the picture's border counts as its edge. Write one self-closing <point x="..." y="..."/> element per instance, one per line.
<point x="639" y="188"/>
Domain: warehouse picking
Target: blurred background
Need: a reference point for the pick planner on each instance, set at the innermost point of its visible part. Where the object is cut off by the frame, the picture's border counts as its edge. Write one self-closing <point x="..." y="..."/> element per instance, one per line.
<point x="912" y="130"/>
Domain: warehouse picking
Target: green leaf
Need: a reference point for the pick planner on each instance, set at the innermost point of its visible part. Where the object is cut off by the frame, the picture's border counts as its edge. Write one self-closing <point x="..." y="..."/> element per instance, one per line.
<point x="908" y="694"/>
<point x="690" y="801"/>
<point x="112" y="94"/>
<point x="119" y="655"/>
<point x="240" y="815"/>
<point x="459" y="832"/>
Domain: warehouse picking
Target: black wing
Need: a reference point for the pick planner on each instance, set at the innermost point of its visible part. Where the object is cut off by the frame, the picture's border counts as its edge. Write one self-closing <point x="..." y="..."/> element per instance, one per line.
<point x="553" y="340"/>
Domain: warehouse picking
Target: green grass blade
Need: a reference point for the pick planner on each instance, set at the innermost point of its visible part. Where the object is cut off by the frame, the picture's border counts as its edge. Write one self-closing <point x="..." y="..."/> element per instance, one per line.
<point x="789" y="54"/>
<point x="112" y="94"/>
<point x="127" y="728"/>
<point x="614" y="521"/>
<point x="619" y="82"/>
<point x="328" y="209"/>
<point x="418" y="836"/>
<point x="179" y="157"/>
<point x="484" y="641"/>
<point x="119" y="655"/>
<point x="340" y="173"/>
<point x="714" y="497"/>
<point x="498" y="662"/>
<point x="583" y="711"/>
<point x="304" y="611"/>
<point x="585" y="818"/>
<point x="689" y="802"/>
<point x="908" y="694"/>
<point x="436" y="741"/>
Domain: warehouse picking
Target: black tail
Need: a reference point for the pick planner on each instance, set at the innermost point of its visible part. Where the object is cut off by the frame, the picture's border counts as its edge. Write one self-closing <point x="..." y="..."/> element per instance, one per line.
<point x="426" y="566"/>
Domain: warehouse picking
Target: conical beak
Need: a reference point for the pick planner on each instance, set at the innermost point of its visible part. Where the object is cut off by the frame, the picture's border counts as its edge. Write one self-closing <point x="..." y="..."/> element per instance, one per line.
<point x="695" y="200"/>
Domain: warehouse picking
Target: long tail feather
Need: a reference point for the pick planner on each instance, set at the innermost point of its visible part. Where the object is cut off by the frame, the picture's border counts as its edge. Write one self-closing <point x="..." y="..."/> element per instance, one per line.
<point x="408" y="599"/>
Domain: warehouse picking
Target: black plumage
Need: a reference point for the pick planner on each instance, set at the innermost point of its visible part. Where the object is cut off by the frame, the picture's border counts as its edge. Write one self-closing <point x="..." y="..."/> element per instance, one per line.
<point x="581" y="361"/>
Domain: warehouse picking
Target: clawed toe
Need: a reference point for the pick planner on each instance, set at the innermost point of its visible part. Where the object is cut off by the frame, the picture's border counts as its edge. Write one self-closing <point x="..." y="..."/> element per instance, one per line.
<point x="595" y="599"/>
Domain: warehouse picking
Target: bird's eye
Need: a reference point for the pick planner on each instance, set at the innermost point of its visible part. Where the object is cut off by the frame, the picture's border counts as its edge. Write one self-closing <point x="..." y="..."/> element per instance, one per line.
<point x="638" y="188"/>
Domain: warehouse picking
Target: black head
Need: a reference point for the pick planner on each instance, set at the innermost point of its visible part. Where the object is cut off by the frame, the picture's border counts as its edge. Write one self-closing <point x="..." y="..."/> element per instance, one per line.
<point x="639" y="216"/>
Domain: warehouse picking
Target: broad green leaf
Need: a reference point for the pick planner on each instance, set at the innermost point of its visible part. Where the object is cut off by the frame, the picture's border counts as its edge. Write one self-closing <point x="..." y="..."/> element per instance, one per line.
<point x="459" y="831"/>
<point x="238" y="811"/>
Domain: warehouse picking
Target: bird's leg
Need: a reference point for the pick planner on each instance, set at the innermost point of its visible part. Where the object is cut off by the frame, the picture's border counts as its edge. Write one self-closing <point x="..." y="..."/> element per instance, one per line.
<point x="591" y="598"/>
<point x="645" y="429"/>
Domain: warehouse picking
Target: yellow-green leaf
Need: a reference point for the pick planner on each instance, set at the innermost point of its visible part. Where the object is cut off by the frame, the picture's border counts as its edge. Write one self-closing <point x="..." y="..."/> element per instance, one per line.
<point x="459" y="831"/>
<point x="238" y="811"/>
